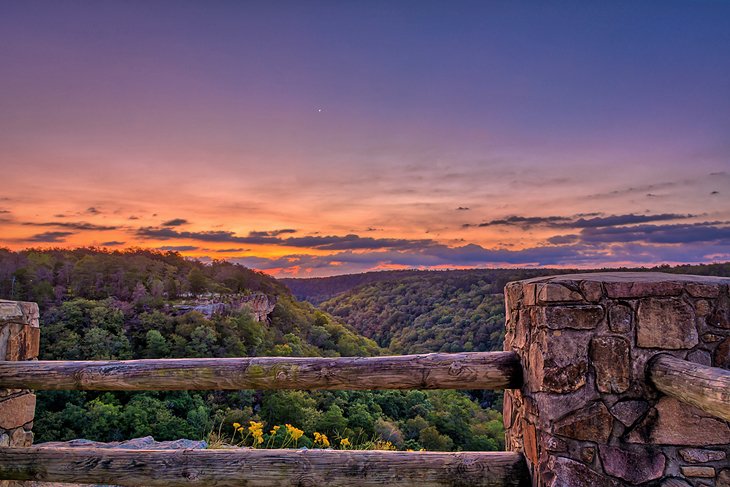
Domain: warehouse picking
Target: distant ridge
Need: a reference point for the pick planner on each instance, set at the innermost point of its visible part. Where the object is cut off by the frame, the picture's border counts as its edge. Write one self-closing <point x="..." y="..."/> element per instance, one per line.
<point x="316" y="290"/>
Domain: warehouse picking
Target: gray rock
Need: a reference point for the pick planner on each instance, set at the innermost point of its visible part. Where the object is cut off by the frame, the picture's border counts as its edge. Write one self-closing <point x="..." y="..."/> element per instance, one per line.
<point x="146" y="443"/>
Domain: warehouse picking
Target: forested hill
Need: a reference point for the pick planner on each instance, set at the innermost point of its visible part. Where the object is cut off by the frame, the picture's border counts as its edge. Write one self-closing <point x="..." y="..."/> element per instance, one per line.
<point x="319" y="289"/>
<point x="141" y="304"/>
<point x="422" y="311"/>
<point x="149" y="287"/>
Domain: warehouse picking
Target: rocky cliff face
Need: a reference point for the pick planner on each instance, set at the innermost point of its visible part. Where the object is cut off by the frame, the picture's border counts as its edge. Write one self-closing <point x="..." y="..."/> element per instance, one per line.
<point x="260" y="305"/>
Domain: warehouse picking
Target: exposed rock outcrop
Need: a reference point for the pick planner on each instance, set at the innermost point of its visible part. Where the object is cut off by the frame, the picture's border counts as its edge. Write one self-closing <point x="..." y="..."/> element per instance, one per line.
<point x="259" y="304"/>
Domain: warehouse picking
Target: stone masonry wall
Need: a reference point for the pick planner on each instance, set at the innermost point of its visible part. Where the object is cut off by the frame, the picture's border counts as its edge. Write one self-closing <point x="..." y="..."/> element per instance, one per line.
<point x="19" y="340"/>
<point x="586" y="415"/>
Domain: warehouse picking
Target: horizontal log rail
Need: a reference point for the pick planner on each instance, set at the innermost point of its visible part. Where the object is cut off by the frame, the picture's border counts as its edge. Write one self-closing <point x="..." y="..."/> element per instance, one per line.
<point x="263" y="468"/>
<point x="467" y="370"/>
<point x="707" y="388"/>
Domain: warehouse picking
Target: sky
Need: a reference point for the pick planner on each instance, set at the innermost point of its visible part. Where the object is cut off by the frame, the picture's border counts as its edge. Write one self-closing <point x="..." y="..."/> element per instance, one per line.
<point x="315" y="138"/>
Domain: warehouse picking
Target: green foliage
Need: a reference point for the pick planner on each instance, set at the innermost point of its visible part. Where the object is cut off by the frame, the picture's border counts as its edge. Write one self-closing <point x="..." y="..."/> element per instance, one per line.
<point x="121" y="305"/>
<point x="438" y="312"/>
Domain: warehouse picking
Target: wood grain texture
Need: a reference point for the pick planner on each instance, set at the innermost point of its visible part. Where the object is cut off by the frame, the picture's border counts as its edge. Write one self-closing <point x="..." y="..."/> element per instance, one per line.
<point x="707" y="388"/>
<point x="263" y="468"/>
<point x="468" y="370"/>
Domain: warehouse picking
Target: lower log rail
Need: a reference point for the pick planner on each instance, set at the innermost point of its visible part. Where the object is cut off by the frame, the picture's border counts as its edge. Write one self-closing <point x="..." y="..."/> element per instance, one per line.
<point x="707" y="388"/>
<point x="467" y="370"/>
<point x="263" y="468"/>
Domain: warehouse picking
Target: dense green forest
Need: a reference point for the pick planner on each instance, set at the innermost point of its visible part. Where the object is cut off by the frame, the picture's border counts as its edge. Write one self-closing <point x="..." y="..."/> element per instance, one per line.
<point x="420" y="311"/>
<point x="434" y="311"/>
<point x="319" y="289"/>
<point x="120" y="305"/>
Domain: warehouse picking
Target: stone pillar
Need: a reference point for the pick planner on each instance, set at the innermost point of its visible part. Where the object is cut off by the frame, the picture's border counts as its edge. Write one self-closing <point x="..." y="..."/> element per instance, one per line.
<point x="19" y="340"/>
<point x="586" y="415"/>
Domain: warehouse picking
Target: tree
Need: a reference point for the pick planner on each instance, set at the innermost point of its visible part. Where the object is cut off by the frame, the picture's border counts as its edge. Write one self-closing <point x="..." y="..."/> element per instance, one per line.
<point x="332" y="421"/>
<point x="295" y="407"/>
<point x="157" y="346"/>
<point x="431" y="439"/>
<point x="146" y="416"/>
<point x="103" y="419"/>
<point x="197" y="280"/>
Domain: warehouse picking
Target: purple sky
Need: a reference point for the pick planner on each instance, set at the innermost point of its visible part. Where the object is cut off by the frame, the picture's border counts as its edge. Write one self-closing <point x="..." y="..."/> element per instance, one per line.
<point x="379" y="134"/>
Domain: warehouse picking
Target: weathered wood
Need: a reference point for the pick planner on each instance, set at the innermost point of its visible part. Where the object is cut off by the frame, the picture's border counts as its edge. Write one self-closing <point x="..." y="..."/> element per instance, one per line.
<point x="707" y="388"/>
<point x="259" y="468"/>
<point x="475" y="370"/>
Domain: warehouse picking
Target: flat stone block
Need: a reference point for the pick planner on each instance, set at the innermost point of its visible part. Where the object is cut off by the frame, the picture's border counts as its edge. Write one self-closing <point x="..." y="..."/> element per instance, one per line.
<point x="565" y="472"/>
<point x="675" y="423"/>
<point x="620" y="318"/>
<point x="629" y="411"/>
<point x="611" y="359"/>
<point x="557" y="362"/>
<point x="551" y="407"/>
<point x="553" y="293"/>
<point x="592" y="291"/>
<point x="592" y="423"/>
<point x="641" y="289"/>
<point x="701" y="290"/>
<point x="666" y="323"/>
<point x="700" y="455"/>
<point x="584" y="317"/>
<point x="17" y="411"/>
<point x="704" y="472"/>
<point x="636" y="465"/>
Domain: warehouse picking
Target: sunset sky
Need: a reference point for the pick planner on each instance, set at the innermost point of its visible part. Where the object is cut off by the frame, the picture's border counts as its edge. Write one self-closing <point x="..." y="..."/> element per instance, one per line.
<point x="314" y="138"/>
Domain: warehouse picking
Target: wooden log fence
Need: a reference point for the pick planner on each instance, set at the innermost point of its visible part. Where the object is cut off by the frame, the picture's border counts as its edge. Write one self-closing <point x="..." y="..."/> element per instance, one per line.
<point x="707" y="388"/>
<point x="264" y="468"/>
<point x="468" y="370"/>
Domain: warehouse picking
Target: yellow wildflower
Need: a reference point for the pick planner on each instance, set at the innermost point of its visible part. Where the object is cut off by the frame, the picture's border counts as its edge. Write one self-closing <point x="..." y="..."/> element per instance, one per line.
<point x="344" y="442"/>
<point x="383" y="445"/>
<point x="321" y="439"/>
<point x="295" y="433"/>
<point x="236" y="426"/>
<point x="275" y="429"/>
<point x="257" y="432"/>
